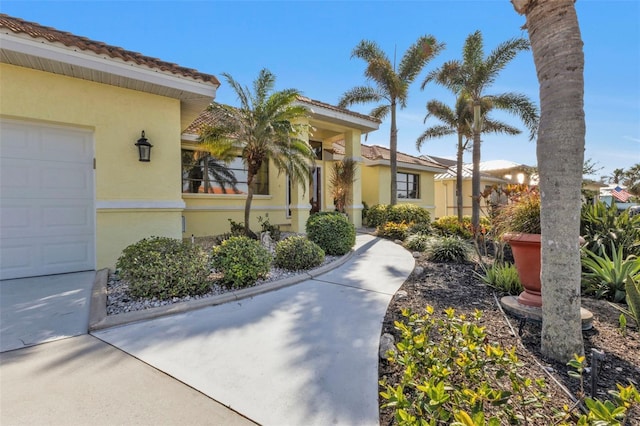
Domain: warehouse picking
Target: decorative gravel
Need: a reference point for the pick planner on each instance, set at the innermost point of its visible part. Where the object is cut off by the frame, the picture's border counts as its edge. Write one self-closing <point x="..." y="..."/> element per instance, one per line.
<point x="120" y="301"/>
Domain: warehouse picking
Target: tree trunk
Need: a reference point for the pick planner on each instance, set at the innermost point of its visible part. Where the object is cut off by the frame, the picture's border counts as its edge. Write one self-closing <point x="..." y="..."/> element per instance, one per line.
<point x="475" y="179"/>
<point x="459" y="199"/>
<point x="559" y="59"/>
<point x="247" y="204"/>
<point x="393" y="148"/>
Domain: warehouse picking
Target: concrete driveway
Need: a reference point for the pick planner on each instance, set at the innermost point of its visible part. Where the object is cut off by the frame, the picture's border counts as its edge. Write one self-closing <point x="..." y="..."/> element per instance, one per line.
<point x="42" y="309"/>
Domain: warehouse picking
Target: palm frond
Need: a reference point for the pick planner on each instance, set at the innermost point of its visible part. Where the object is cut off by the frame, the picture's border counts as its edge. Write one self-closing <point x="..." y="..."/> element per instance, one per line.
<point x="433" y="132"/>
<point x="360" y="95"/>
<point x="522" y="107"/>
<point x="380" y="112"/>
<point x="417" y="56"/>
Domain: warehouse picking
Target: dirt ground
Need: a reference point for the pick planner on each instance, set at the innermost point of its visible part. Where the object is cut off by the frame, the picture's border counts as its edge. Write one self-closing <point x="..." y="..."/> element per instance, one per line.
<point x="444" y="285"/>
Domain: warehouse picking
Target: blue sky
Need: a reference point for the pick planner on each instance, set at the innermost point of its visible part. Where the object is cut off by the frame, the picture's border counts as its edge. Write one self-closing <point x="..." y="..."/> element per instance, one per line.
<point x="308" y="45"/>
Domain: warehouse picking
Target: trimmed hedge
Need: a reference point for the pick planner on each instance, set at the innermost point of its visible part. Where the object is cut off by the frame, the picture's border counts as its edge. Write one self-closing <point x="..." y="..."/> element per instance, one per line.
<point x="382" y="213"/>
<point x="164" y="267"/>
<point x="242" y="261"/>
<point x="298" y="253"/>
<point x="332" y="232"/>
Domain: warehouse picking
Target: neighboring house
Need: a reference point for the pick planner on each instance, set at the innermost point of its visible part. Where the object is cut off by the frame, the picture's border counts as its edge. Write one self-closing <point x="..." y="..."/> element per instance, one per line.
<point x="74" y="193"/>
<point x="498" y="172"/>
<point x="415" y="177"/>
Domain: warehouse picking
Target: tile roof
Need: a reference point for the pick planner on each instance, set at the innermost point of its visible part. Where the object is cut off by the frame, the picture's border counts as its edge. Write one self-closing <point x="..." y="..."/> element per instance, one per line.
<point x="37" y="31"/>
<point x="377" y="152"/>
<point x="309" y="101"/>
<point x="208" y="118"/>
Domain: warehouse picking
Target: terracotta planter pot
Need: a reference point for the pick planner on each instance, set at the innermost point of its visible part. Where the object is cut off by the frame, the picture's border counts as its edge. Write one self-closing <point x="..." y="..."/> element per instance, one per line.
<point x="526" y="254"/>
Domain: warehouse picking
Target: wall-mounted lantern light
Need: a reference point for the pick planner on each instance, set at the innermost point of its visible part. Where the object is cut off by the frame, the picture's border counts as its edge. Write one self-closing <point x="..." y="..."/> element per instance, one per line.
<point x="144" y="148"/>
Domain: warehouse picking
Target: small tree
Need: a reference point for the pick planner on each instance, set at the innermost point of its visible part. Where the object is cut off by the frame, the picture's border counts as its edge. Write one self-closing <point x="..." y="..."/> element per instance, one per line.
<point x="343" y="174"/>
<point x="267" y="126"/>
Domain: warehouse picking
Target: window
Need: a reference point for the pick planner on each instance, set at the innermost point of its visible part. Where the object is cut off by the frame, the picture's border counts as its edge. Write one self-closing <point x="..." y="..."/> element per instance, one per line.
<point x="204" y="174"/>
<point x="317" y="149"/>
<point x="408" y="185"/>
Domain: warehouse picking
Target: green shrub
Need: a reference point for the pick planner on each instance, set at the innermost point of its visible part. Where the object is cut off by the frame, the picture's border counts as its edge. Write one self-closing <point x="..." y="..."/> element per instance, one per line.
<point x="450" y="372"/>
<point x="601" y="226"/>
<point x="377" y="215"/>
<point x="393" y="231"/>
<point x="332" y="232"/>
<point x="605" y="277"/>
<point x="408" y="213"/>
<point x="163" y="268"/>
<point x="242" y="261"/>
<point x="420" y="228"/>
<point x="418" y="242"/>
<point x="298" y="253"/>
<point x="449" y="226"/>
<point x="502" y="276"/>
<point x="449" y="249"/>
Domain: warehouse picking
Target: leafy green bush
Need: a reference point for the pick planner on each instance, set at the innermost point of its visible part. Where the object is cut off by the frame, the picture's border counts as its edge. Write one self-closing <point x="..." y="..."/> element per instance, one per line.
<point x="420" y="228"/>
<point x="242" y="261"/>
<point x="332" y="232"/>
<point x="521" y="215"/>
<point x="601" y="226"/>
<point x="164" y="268"/>
<point x="449" y="249"/>
<point x="502" y="276"/>
<point x="298" y="253"/>
<point x="606" y="413"/>
<point x="409" y="213"/>
<point x="450" y="373"/>
<point x="393" y="231"/>
<point x="377" y="215"/>
<point x="605" y="277"/>
<point x="418" y="242"/>
<point x="449" y="226"/>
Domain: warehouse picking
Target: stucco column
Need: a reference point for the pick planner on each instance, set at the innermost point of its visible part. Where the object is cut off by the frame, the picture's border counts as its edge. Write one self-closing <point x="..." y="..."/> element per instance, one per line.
<point x="353" y="149"/>
<point x="299" y="202"/>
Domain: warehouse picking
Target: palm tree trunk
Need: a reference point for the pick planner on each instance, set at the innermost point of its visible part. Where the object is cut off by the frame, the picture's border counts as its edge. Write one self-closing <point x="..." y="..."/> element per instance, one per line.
<point x="557" y="52"/>
<point x="459" y="199"/>
<point x="393" y="148"/>
<point x="247" y="204"/>
<point x="475" y="180"/>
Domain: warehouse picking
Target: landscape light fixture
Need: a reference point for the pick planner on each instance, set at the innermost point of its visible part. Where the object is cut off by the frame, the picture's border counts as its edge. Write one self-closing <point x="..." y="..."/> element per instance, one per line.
<point x="144" y="148"/>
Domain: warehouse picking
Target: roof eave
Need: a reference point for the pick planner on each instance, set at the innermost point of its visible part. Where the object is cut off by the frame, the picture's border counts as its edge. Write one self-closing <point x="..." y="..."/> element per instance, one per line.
<point x="194" y="95"/>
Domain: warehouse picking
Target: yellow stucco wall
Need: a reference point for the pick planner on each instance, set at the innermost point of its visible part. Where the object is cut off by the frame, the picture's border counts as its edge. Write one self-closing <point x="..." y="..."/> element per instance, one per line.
<point x="376" y="181"/>
<point x="445" y="198"/>
<point x="116" y="116"/>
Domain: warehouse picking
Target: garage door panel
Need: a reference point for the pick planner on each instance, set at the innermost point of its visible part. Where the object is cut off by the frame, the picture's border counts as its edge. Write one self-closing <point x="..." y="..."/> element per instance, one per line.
<point x="17" y="258"/>
<point x="47" y="214"/>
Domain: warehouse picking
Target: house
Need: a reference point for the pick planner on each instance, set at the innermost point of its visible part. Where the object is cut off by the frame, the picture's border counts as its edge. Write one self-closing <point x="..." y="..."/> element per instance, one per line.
<point x="209" y="206"/>
<point x="492" y="173"/>
<point x="76" y="190"/>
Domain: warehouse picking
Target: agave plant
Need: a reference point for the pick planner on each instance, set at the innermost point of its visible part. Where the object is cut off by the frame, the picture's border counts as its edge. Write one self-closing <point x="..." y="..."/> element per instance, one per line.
<point x="606" y="277"/>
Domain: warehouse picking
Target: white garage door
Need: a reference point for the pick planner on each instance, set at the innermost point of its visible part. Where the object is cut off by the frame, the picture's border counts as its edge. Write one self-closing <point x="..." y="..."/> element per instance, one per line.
<point x="47" y="216"/>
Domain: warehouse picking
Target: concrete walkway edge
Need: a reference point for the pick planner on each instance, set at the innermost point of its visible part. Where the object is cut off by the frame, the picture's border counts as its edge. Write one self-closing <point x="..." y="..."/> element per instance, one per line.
<point x="99" y="320"/>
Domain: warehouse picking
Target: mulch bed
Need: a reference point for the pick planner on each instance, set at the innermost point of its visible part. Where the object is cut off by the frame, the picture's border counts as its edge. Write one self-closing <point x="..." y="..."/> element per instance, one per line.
<point x="444" y="285"/>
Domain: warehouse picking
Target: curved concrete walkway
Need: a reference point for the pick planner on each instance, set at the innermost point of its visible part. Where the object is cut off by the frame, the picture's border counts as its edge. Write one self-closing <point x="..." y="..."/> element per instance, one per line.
<point x="300" y="355"/>
<point x="305" y="354"/>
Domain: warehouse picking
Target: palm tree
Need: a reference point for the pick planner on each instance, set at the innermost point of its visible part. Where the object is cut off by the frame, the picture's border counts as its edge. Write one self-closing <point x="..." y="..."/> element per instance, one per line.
<point x="391" y="87"/>
<point x="267" y="127"/>
<point x="617" y="175"/>
<point x="559" y="59"/>
<point x="472" y="76"/>
<point x="343" y="174"/>
<point x="632" y="179"/>
<point x="459" y="122"/>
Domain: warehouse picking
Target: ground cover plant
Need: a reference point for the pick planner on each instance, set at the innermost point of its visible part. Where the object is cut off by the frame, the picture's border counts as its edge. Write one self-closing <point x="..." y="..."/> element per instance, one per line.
<point x="455" y="285"/>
